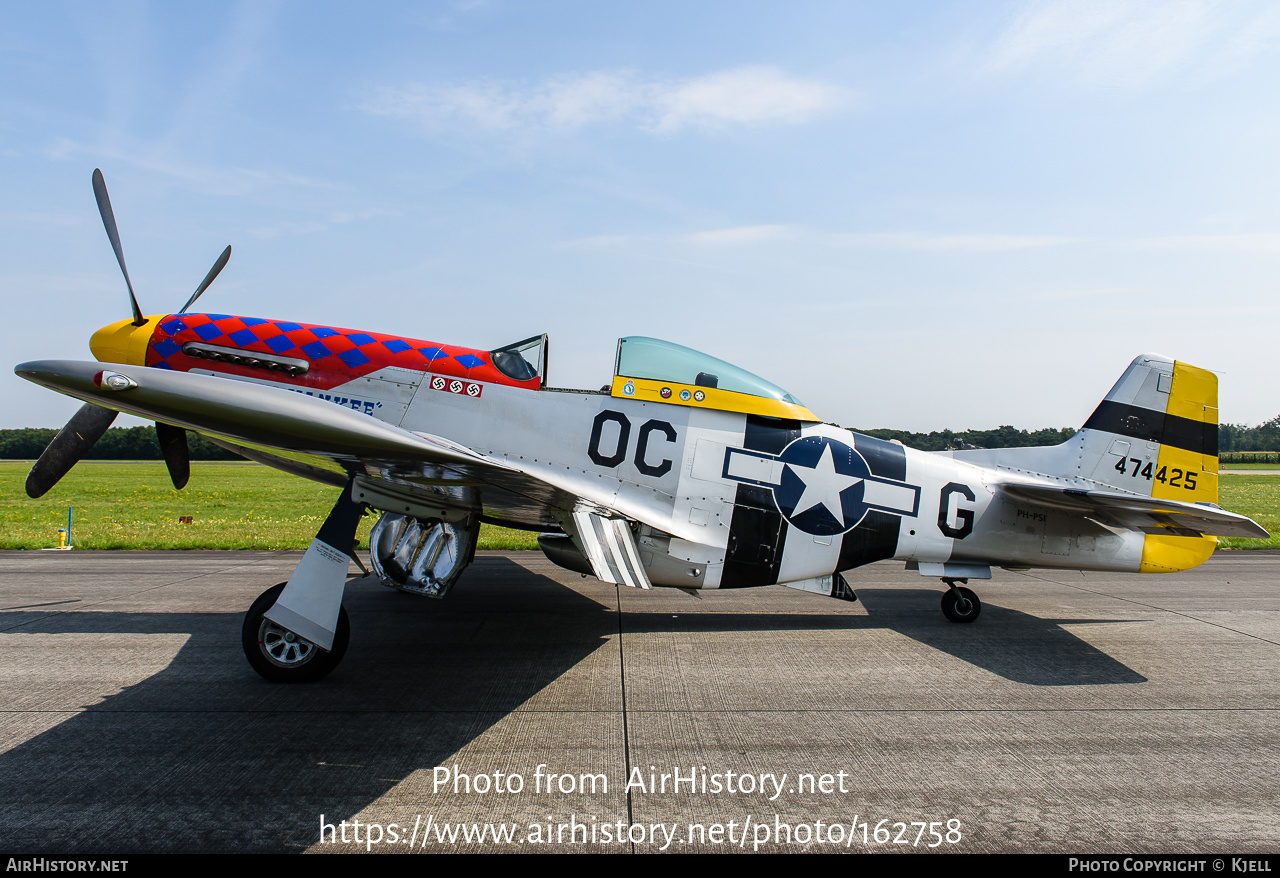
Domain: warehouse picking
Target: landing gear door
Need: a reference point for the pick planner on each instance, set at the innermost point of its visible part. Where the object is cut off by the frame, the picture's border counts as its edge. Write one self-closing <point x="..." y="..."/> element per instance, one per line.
<point x="523" y="360"/>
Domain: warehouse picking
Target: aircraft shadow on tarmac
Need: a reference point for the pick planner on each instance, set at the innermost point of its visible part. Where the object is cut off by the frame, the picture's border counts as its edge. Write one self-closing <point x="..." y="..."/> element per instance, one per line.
<point x="1014" y="645"/>
<point x="1017" y="646"/>
<point x="205" y="756"/>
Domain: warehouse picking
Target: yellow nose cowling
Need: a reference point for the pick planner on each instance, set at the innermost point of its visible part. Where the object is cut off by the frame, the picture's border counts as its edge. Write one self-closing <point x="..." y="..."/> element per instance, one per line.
<point x="122" y="342"/>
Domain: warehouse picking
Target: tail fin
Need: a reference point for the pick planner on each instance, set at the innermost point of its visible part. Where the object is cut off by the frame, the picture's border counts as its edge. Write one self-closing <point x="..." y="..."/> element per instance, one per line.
<point x="1155" y="435"/>
<point x="1156" y="432"/>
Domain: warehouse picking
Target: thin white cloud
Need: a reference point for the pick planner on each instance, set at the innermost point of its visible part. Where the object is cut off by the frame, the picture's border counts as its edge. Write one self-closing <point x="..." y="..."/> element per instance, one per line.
<point x="1259" y="37"/>
<point x="311" y="226"/>
<point x="1115" y="43"/>
<point x="744" y="235"/>
<point x="741" y="96"/>
<point x="207" y="106"/>
<point x="781" y="233"/>
<point x="959" y="242"/>
<point x="27" y="217"/>
<point x="934" y="241"/>
<point x="170" y="161"/>
<point x="601" y="241"/>
<point x="1258" y="242"/>
<point x="482" y="103"/>
<point x="578" y="100"/>
<point x="974" y="242"/>
<point x="746" y="96"/>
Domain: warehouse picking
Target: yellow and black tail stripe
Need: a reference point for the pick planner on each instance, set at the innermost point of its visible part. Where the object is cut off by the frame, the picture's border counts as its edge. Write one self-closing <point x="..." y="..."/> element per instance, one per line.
<point x="1187" y="431"/>
<point x="1190" y="434"/>
<point x="1186" y="468"/>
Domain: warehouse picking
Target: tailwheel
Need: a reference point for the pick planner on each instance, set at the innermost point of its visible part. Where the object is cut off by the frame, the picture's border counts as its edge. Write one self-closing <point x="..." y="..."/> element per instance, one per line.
<point x="281" y="656"/>
<point x="960" y="604"/>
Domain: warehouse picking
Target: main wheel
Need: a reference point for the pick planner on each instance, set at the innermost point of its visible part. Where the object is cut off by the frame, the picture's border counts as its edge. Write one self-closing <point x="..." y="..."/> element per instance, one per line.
<point x="964" y="608"/>
<point x="281" y="656"/>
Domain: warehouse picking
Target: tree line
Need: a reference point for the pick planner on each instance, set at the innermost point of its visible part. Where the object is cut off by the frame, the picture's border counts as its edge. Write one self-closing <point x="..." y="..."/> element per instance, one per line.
<point x="1231" y="437"/>
<point x="1237" y="437"/>
<point x="118" y="443"/>
<point x="139" y="443"/>
<point x="1000" y="437"/>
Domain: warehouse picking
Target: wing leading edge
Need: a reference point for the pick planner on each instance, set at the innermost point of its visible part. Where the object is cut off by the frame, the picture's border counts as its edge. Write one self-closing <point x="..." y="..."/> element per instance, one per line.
<point x="246" y="413"/>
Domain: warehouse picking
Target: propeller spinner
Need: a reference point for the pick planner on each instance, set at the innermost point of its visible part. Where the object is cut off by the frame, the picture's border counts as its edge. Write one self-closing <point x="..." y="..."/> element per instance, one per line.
<point x="115" y="343"/>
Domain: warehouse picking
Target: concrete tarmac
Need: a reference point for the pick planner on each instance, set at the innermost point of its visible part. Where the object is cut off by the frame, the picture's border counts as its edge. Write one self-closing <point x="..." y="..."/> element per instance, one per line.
<point x="534" y="709"/>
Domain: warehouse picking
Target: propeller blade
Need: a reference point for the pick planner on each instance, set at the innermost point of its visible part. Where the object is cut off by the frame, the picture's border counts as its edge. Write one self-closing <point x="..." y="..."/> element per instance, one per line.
<point x="72" y="443"/>
<point x="109" y="222"/>
<point x="208" y="279"/>
<point x="173" y="445"/>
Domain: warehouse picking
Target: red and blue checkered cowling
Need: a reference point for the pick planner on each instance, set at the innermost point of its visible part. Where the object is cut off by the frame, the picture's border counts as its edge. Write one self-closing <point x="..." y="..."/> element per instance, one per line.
<point x="336" y="355"/>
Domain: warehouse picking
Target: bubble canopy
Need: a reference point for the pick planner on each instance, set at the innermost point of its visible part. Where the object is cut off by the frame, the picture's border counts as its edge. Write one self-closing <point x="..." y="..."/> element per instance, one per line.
<point x="652" y="359"/>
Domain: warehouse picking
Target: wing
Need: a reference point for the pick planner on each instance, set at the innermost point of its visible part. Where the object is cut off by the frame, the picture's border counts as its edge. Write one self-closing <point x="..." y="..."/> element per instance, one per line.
<point x="1138" y="513"/>
<point x="419" y="473"/>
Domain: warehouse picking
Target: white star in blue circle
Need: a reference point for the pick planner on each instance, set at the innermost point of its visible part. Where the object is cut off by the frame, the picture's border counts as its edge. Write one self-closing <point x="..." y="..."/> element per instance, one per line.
<point x="822" y="486"/>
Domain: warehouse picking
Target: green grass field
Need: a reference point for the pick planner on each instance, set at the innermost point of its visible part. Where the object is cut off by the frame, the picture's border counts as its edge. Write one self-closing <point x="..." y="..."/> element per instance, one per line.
<point x="1257" y="496"/>
<point x="246" y="506"/>
<point x="134" y="506"/>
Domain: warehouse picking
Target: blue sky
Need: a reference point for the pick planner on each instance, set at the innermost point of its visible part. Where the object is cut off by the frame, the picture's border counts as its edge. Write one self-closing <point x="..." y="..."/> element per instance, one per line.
<point x="920" y="215"/>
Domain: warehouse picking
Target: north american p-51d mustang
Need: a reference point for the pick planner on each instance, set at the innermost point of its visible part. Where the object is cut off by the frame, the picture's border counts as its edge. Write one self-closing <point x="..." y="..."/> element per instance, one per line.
<point x="684" y="471"/>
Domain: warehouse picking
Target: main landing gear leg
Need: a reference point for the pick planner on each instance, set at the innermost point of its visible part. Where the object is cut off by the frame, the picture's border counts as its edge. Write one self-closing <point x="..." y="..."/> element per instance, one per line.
<point x="297" y="631"/>
<point x="959" y="604"/>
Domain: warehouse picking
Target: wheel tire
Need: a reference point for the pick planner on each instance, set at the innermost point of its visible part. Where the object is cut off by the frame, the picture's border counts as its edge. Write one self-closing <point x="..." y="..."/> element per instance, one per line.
<point x="954" y="610"/>
<point x="281" y="656"/>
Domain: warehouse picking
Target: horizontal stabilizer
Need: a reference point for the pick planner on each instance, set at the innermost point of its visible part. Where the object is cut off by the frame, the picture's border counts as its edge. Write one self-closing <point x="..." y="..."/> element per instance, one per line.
<point x="1139" y="513"/>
